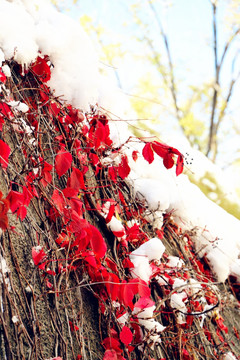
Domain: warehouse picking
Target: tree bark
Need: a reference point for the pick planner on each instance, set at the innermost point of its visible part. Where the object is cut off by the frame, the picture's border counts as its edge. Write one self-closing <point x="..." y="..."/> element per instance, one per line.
<point x="52" y="307"/>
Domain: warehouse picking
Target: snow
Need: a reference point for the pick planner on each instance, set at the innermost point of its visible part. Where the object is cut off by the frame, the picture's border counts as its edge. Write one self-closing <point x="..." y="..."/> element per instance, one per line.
<point x="29" y="28"/>
<point x="146" y="319"/>
<point x="175" y="262"/>
<point x="216" y="231"/>
<point x="18" y="105"/>
<point x="6" y="70"/>
<point x="141" y="257"/>
<point x="229" y="356"/>
<point x="15" y="319"/>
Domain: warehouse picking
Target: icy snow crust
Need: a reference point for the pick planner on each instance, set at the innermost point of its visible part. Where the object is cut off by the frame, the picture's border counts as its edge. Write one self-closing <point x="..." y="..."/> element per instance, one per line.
<point x="39" y="28"/>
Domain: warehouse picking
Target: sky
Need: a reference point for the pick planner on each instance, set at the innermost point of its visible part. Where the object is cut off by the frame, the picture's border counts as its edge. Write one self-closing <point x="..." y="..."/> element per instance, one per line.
<point x="188" y="25"/>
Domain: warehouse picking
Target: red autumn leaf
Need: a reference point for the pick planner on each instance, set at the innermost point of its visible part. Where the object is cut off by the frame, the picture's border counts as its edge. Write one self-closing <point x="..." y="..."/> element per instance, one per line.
<point x="111" y="264"/>
<point x="110" y="354"/>
<point x="62" y="240"/>
<point x="110" y="213"/>
<point x="123" y="168"/>
<point x="143" y="288"/>
<point x="144" y="302"/>
<point x="63" y="161"/>
<point x="38" y="256"/>
<point x="160" y="149"/>
<point x="112" y="173"/>
<point x="111" y="343"/>
<point x="54" y="108"/>
<point x="2" y="76"/>
<point x="221" y="325"/>
<point x="135" y="155"/>
<point x="94" y="159"/>
<point x="69" y="192"/>
<point x="75" y="204"/>
<point x="1" y="122"/>
<point x="73" y="327"/>
<point x="44" y="92"/>
<point x="76" y="180"/>
<point x="58" y="200"/>
<point x="6" y="111"/>
<point x="4" y="207"/>
<point x="18" y="201"/>
<point x="41" y="68"/>
<point x="126" y="335"/>
<point x="180" y="164"/>
<point x="97" y="242"/>
<point x="4" y="154"/>
<point x="148" y="153"/>
<point x="45" y="172"/>
<point x="112" y="285"/>
<point x="22" y="212"/>
<point x="90" y="258"/>
<point x="128" y="291"/>
<point x="168" y="161"/>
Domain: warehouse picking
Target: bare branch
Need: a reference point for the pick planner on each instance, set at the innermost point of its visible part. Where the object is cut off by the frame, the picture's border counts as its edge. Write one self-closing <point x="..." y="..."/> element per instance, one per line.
<point x="170" y="64"/>
<point x="216" y="84"/>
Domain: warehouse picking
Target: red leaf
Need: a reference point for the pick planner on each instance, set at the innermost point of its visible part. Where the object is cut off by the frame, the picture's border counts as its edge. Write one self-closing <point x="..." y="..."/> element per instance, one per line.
<point x="111" y="343"/>
<point x="38" y="256"/>
<point x="99" y="135"/>
<point x="22" y="212"/>
<point x="45" y="172"/>
<point x="111" y="264"/>
<point x="94" y="159"/>
<point x="58" y="200"/>
<point x="90" y="258"/>
<point x="76" y="180"/>
<point x="2" y="76"/>
<point x="41" y="68"/>
<point x="63" y="161"/>
<point x="128" y="290"/>
<point x="143" y="288"/>
<point x="180" y="164"/>
<point x="168" y="161"/>
<point x="69" y="192"/>
<point x="126" y="335"/>
<point x="4" y="207"/>
<point x="110" y="213"/>
<point x="160" y="149"/>
<point x="144" y="302"/>
<point x="148" y="153"/>
<point x="110" y="354"/>
<point x="135" y="155"/>
<point x="112" y="285"/>
<point x="44" y="92"/>
<point x="1" y="122"/>
<point x="73" y="327"/>
<point x="54" y="108"/>
<point x="4" y="154"/>
<point x="123" y="168"/>
<point x="97" y="242"/>
<point x="6" y="111"/>
<point x="112" y="173"/>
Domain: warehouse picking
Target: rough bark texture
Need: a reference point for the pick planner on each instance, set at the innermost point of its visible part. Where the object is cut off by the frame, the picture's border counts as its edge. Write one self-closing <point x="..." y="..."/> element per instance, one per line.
<point x="50" y="313"/>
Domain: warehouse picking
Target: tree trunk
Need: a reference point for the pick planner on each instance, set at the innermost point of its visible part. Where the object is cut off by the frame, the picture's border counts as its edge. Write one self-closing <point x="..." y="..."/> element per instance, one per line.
<point x="56" y="294"/>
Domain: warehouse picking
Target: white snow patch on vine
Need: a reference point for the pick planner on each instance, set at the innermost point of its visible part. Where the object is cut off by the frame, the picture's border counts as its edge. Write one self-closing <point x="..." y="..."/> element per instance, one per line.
<point x="32" y="27"/>
<point x="216" y="232"/>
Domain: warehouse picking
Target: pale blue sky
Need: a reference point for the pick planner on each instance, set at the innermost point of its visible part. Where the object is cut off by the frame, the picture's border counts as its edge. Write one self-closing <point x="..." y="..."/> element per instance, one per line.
<point x="189" y="28"/>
